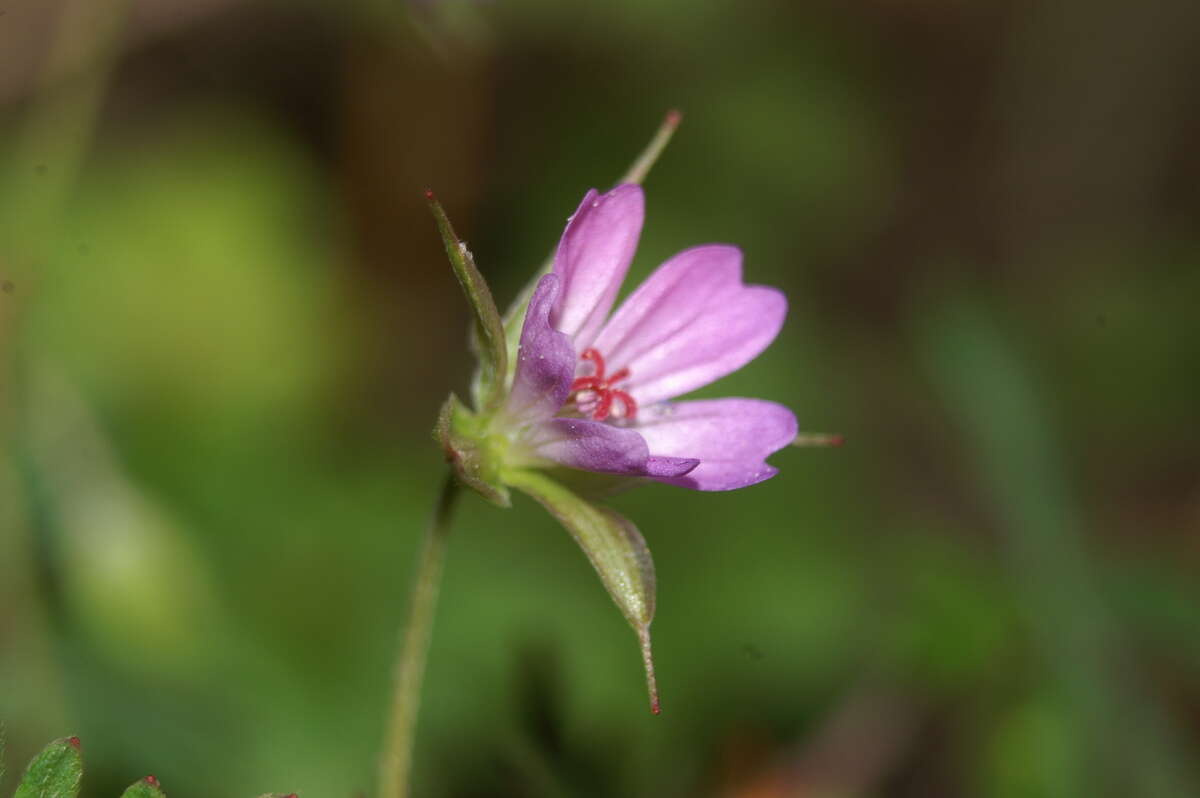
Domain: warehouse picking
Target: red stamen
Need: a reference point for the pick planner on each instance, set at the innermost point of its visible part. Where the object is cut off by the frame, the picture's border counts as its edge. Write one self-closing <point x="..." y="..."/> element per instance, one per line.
<point x="597" y="392"/>
<point x="597" y="358"/>
<point x="604" y="406"/>
<point x="630" y="405"/>
<point x="586" y="383"/>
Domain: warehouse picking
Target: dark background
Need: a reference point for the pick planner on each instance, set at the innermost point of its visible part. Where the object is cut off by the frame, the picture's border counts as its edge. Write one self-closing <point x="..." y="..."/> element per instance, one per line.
<point x="226" y="326"/>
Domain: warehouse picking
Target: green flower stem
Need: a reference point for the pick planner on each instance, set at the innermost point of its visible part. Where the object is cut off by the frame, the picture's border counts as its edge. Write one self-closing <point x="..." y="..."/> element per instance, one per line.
<point x="395" y="762"/>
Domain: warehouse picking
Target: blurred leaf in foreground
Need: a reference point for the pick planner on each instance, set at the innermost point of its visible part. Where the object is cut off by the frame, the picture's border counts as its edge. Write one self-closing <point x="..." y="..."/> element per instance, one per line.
<point x="145" y="788"/>
<point x="54" y="773"/>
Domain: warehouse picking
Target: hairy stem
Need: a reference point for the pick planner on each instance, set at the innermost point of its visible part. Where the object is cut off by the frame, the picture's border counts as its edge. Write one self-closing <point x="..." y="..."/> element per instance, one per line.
<point x="395" y="762"/>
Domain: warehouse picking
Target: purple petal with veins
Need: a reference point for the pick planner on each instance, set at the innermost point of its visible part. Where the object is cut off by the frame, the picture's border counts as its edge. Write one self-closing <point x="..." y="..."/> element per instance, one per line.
<point x="728" y="330"/>
<point x="593" y="257"/>
<point x="669" y="300"/>
<point x="731" y="437"/>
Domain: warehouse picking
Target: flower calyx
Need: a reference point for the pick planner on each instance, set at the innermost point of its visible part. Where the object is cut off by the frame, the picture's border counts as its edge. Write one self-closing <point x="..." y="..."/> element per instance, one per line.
<point x="475" y="455"/>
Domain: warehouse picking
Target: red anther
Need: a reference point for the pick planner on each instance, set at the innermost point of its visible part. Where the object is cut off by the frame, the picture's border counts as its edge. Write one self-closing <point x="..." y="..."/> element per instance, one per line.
<point x="153" y="782"/>
<point x="674" y="117"/>
<point x="625" y="399"/>
<point x="73" y="742"/>
<point x="597" y="358"/>
<point x="429" y="194"/>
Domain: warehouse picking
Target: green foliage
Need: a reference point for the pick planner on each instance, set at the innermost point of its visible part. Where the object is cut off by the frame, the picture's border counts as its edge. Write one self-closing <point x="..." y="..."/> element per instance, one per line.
<point x="145" y="788"/>
<point x="54" y="773"/>
<point x="58" y="770"/>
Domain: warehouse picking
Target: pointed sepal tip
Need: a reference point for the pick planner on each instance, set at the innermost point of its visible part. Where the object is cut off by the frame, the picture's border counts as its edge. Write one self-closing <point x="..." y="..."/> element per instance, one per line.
<point x="648" y="662"/>
<point x="816" y="439"/>
<point x="488" y="339"/>
<point x="616" y="550"/>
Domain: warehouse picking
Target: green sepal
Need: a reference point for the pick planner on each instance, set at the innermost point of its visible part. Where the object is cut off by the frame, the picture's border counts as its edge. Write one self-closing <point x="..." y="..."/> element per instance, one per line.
<point x="54" y="773"/>
<point x="487" y="340"/>
<point x="616" y="550"/>
<point x="144" y="788"/>
<point x="471" y="451"/>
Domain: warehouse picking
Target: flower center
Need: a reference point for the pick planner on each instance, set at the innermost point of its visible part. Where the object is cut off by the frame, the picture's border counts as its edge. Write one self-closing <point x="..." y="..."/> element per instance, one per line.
<point x="595" y="395"/>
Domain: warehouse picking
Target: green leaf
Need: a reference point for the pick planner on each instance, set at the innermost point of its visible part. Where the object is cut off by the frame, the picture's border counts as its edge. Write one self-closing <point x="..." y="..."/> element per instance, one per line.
<point x="488" y="339"/>
<point x="617" y="552"/>
<point x="471" y="452"/>
<point x="146" y="788"/>
<point x="54" y="773"/>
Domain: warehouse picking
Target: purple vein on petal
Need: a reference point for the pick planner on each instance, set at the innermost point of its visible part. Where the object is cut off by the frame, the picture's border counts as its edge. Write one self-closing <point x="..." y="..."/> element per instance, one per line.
<point x="733" y="329"/>
<point x="671" y="298"/>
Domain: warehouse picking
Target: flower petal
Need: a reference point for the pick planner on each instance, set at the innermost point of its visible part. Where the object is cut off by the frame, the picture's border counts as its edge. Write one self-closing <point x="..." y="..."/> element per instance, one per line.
<point x="603" y="448"/>
<point x="731" y="328"/>
<point x="731" y="437"/>
<point x="670" y="299"/>
<point x="593" y="257"/>
<point x="545" y="360"/>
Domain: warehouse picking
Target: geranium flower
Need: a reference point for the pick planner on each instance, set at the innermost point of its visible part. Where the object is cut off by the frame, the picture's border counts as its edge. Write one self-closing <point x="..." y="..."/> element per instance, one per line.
<point x="593" y="391"/>
<point x="562" y="383"/>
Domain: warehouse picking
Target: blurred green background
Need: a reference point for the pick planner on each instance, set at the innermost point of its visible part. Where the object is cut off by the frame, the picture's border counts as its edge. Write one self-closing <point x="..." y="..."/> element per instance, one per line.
<point x="226" y="326"/>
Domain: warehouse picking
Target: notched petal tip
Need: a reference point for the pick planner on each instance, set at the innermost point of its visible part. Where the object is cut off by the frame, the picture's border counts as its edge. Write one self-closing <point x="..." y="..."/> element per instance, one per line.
<point x="730" y="437"/>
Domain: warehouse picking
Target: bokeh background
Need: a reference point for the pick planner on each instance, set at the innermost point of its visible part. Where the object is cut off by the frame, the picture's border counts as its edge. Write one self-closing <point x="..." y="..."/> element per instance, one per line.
<point x="226" y="326"/>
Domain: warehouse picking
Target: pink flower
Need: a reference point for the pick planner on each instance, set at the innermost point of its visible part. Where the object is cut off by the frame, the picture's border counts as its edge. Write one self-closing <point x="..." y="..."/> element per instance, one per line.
<point x="593" y="391"/>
